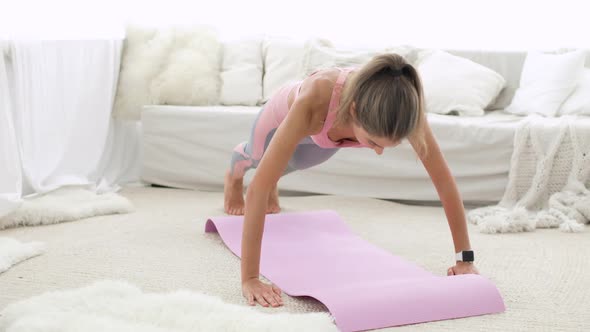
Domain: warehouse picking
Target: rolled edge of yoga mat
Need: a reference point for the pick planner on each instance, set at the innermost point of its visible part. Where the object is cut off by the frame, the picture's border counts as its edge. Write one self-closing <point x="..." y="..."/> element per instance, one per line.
<point x="403" y="302"/>
<point x="401" y="293"/>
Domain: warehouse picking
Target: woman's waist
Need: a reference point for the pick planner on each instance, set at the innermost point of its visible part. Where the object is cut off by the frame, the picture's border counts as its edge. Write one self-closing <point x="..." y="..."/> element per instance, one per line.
<point x="278" y="104"/>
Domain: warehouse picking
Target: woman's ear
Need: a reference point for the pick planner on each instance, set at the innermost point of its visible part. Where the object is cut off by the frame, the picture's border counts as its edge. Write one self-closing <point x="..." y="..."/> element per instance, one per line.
<point x="352" y="110"/>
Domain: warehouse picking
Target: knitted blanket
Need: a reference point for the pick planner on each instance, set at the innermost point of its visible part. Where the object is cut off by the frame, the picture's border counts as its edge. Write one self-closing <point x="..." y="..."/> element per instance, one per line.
<point x="549" y="179"/>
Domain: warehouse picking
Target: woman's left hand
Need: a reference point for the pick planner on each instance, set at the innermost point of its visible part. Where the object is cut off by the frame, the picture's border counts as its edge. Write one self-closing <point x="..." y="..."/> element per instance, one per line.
<point x="462" y="268"/>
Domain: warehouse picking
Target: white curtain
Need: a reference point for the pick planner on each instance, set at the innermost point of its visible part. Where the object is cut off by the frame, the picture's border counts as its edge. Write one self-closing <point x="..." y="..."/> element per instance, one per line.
<point x="64" y="92"/>
<point x="58" y="121"/>
<point x="121" y="161"/>
<point x="10" y="171"/>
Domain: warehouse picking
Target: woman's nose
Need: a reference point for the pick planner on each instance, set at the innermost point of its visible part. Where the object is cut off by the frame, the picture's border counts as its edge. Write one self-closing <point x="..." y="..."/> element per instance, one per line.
<point x="378" y="151"/>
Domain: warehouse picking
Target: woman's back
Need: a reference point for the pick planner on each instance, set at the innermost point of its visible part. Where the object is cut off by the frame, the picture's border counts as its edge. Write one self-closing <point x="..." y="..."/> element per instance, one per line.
<point x="332" y="83"/>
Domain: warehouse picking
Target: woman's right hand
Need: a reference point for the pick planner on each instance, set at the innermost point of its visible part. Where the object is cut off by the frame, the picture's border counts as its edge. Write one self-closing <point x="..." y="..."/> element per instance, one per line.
<point x="255" y="290"/>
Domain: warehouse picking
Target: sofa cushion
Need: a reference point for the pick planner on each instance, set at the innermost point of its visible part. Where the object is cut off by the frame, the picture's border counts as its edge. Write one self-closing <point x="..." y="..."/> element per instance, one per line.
<point x="454" y="84"/>
<point x="174" y="66"/>
<point x="579" y="101"/>
<point x="478" y="150"/>
<point x="546" y="82"/>
<point x="282" y="60"/>
<point x="506" y="63"/>
<point x="321" y="54"/>
<point x="241" y="72"/>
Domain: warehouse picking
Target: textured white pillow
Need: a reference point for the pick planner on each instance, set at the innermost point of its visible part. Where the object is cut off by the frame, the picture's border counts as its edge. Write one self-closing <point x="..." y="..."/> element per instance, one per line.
<point x="241" y="72"/>
<point x="321" y="54"/>
<point x="454" y="84"/>
<point x="546" y="82"/>
<point x="579" y="101"/>
<point x="282" y="60"/>
<point x="176" y="65"/>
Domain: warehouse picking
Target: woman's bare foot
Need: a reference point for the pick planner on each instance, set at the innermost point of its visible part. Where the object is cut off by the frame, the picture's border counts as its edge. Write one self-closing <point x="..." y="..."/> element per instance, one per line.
<point x="273" y="201"/>
<point x="233" y="195"/>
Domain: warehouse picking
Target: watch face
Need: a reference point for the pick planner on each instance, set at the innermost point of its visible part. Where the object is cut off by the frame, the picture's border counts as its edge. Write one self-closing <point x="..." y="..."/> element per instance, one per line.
<point x="468" y="256"/>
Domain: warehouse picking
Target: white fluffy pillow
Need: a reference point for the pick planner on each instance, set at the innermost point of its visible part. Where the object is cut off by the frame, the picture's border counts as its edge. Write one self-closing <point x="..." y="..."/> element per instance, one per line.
<point x="454" y="84"/>
<point x="546" y="82"/>
<point x="579" y="101"/>
<point x="241" y="72"/>
<point x="168" y="66"/>
<point x="282" y="60"/>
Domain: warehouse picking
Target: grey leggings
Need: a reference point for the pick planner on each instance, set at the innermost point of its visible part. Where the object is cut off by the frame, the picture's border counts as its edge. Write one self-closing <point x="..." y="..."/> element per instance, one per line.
<point x="248" y="154"/>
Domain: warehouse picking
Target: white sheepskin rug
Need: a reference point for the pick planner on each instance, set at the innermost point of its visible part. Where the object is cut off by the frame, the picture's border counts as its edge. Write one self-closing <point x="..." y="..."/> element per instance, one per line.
<point x="178" y="65"/>
<point x="121" y="307"/>
<point x="65" y="204"/>
<point x="13" y="252"/>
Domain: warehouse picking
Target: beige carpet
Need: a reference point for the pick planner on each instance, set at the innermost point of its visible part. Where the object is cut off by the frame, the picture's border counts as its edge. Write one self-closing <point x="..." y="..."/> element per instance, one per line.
<point x="544" y="276"/>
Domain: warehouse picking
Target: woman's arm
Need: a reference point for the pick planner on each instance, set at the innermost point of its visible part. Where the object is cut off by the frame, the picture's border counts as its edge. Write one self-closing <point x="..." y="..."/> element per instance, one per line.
<point x="301" y="121"/>
<point x="445" y="185"/>
<point x="272" y="165"/>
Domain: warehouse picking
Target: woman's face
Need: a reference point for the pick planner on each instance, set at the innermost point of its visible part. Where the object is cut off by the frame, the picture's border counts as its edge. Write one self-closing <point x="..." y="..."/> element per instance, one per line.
<point x="374" y="142"/>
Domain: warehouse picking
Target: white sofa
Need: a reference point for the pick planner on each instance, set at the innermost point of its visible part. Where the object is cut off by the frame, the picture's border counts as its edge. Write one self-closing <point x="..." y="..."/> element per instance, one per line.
<point x="191" y="146"/>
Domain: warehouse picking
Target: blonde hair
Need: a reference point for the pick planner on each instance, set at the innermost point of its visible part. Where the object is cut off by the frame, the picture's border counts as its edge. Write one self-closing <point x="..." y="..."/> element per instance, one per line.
<point x="388" y="98"/>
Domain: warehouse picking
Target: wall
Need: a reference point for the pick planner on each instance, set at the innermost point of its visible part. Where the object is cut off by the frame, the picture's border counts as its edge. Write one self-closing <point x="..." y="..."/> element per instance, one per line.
<point x="498" y="24"/>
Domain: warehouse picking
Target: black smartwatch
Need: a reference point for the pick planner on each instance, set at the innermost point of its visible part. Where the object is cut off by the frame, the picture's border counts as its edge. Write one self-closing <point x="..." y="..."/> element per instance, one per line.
<point x="465" y="256"/>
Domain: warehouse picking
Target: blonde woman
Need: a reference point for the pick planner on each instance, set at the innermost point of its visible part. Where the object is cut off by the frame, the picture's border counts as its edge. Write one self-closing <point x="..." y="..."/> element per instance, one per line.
<point x="305" y="123"/>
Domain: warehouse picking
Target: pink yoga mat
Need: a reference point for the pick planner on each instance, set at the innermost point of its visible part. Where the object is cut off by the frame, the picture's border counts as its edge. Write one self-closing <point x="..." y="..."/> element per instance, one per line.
<point x="364" y="287"/>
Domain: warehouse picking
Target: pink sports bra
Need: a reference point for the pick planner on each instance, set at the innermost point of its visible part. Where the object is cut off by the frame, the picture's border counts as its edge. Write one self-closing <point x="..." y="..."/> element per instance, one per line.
<point x="280" y="107"/>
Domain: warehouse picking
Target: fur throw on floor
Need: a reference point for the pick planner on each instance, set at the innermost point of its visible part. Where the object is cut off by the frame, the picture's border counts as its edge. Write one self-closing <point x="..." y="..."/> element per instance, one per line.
<point x="65" y="204"/>
<point x="121" y="307"/>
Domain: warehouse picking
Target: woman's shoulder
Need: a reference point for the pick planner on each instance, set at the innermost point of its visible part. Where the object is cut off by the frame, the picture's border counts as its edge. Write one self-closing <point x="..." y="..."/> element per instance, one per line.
<point x="323" y="80"/>
<point x="325" y="75"/>
<point x="314" y="97"/>
<point x="318" y="86"/>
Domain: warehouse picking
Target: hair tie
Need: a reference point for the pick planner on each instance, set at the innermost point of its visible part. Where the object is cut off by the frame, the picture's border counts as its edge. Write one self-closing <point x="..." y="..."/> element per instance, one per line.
<point x="396" y="72"/>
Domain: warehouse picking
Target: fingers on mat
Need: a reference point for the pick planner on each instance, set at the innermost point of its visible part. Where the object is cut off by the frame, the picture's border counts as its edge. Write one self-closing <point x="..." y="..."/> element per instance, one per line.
<point x="261" y="300"/>
<point x="271" y="298"/>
